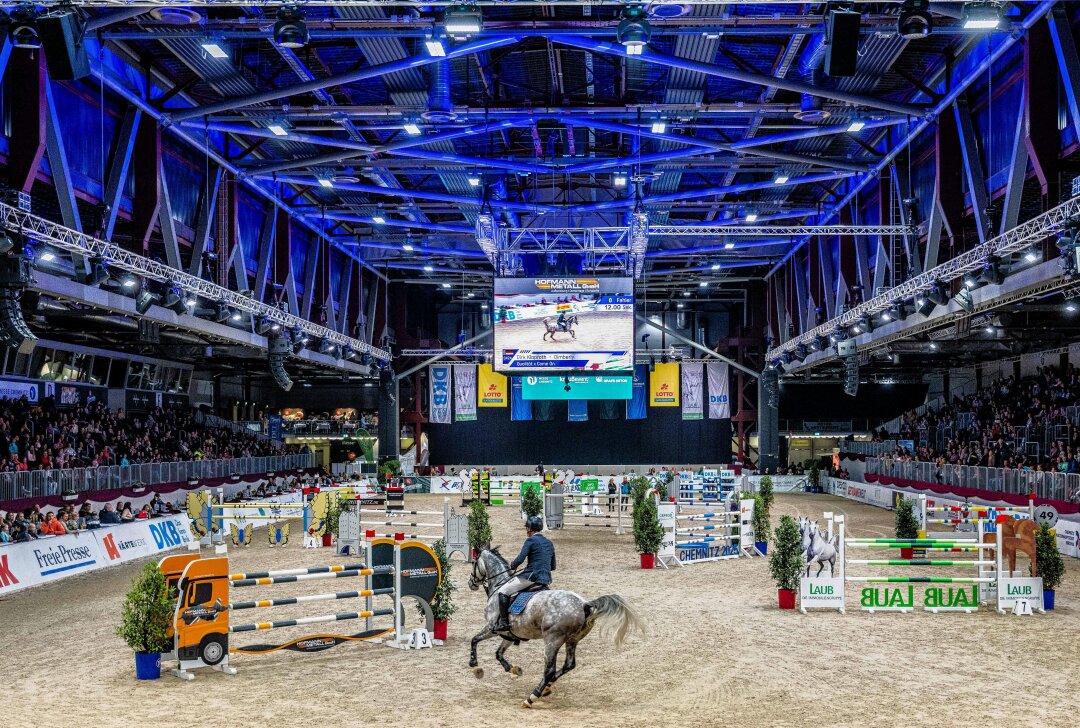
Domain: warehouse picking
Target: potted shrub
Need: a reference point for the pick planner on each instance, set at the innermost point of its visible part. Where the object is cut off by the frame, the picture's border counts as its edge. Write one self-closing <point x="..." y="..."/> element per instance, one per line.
<point x="442" y="606"/>
<point x="479" y="527"/>
<point x="765" y="490"/>
<point x="1048" y="563"/>
<point x="907" y="526"/>
<point x="388" y="469"/>
<point x="785" y="561"/>
<point x="333" y="514"/>
<point x="761" y="525"/>
<point x="648" y="533"/>
<point x="144" y="621"/>
<point x="532" y="503"/>
<point x="813" y="477"/>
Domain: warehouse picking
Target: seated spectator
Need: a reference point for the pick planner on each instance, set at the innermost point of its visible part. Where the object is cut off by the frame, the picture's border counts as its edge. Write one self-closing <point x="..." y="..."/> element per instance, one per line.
<point x="52" y="526"/>
<point x="72" y="523"/>
<point x="109" y="515"/>
<point x="126" y="514"/>
<point x="5" y="533"/>
<point x="144" y="512"/>
<point x="157" y="506"/>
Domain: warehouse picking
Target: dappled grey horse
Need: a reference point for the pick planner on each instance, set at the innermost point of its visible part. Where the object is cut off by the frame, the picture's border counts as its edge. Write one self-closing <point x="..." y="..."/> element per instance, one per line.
<point x="557" y="616"/>
<point x="552" y="328"/>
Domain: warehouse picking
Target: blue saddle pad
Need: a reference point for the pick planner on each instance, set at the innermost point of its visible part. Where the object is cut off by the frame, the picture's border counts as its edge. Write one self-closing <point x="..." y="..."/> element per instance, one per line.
<point x="521" y="600"/>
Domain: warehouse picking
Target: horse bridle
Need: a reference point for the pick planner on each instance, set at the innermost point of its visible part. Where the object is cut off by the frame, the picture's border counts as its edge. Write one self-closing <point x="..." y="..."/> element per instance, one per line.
<point x="487" y="577"/>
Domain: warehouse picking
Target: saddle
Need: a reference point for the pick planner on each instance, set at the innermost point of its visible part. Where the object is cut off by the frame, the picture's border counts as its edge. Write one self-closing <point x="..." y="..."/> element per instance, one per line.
<point x="521" y="599"/>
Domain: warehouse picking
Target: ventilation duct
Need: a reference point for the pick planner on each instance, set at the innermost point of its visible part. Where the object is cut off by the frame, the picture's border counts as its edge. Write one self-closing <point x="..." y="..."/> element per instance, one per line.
<point x="440" y="110"/>
<point x="811" y="62"/>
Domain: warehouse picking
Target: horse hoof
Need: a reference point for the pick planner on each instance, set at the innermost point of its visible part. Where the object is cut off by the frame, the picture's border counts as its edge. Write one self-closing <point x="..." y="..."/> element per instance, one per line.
<point x="516" y="671"/>
<point x="478" y="671"/>
<point x="547" y="691"/>
<point x="526" y="704"/>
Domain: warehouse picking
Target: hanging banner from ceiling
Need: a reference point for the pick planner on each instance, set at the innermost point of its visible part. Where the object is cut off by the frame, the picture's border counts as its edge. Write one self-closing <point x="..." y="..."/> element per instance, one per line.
<point x="491" y="389"/>
<point x="635" y="406"/>
<point x="664" y="385"/>
<point x="439" y="390"/>
<point x="464" y="392"/>
<point x="719" y="404"/>
<point x="693" y="389"/>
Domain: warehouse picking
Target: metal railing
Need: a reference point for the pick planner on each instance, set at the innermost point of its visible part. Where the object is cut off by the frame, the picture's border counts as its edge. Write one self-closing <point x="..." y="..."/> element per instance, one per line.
<point x="39" y="483"/>
<point x="1057" y="486"/>
<point x="307" y="427"/>
<point x="208" y="420"/>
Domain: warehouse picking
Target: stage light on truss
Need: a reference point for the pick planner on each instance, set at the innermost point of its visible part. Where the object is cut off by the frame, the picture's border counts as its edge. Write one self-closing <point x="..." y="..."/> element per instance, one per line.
<point x="938" y="294"/>
<point x="1031" y="255"/>
<point x="7" y="242"/>
<point x="99" y="271"/>
<point x="914" y="21"/>
<point x="933" y="346"/>
<point x="751" y="216"/>
<point x="856" y="125"/>
<point x="214" y="47"/>
<point x="963" y="297"/>
<point x="729" y="246"/>
<point x="290" y="31"/>
<point x="991" y="271"/>
<point x="781" y="179"/>
<point x="378" y="220"/>
<point x="48" y="256"/>
<point x="461" y="21"/>
<point x="327" y="347"/>
<point x="714" y="266"/>
<point x="326" y="182"/>
<point x="618" y="179"/>
<point x="263" y="326"/>
<point x="411" y="127"/>
<point x="445" y="285"/>
<point x="428" y="268"/>
<point x="474" y="181"/>
<point x="435" y="46"/>
<point x="129" y="282"/>
<point x="659" y="126"/>
<point x="236" y="317"/>
<point x="971" y="281"/>
<point x="1070" y="306"/>
<point x="221" y="313"/>
<point x="981" y="16"/>
<point x="634" y="30"/>
<point x="278" y="128"/>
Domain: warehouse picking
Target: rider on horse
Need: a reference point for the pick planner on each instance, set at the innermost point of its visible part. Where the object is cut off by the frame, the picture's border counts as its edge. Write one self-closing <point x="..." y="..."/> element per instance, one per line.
<point x="561" y="321"/>
<point x="540" y="554"/>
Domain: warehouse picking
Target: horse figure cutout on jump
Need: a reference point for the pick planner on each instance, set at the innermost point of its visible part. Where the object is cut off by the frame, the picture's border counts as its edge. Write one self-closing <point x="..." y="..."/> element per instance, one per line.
<point x="818" y="548"/>
<point x="557" y="616"/>
<point x="553" y="328"/>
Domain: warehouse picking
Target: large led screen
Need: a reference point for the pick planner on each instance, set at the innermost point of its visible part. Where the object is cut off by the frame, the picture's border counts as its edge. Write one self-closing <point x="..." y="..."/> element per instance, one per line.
<point x="573" y="324"/>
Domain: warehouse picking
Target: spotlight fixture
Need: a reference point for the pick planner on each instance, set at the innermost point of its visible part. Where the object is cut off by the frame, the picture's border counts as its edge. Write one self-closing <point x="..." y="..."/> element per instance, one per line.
<point x="290" y="31"/>
<point x="435" y="47"/>
<point x="172" y="300"/>
<point x="214" y="48"/>
<point x="1070" y="307"/>
<point x="703" y="284"/>
<point x="7" y="242"/>
<point x="923" y="305"/>
<point x="971" y="281"/>
<point x="715" y="266"/>
<point x="619" y="179"/>
<point x="939" y="293"/>
<point x="411" y="127"/>
<point x="99" y="271"/>
<point x="262" y="327"/>
<point x="327" y="347"/>
<point x="963" y="297"/>
<point x="751" y="216"/>
<point x="48" y="256"/>
<point x="1030" y="255"/>
<point x="886" y="316"/>
<point x="428" y="268"/>
<point x="981" y="16"/>
<point x="407" y="247"/>
<point x="461" y="21"/>
<point x="236" y="317"/>
<point x="991" y="272"/>
<point x="857" y="125"/>
<point x="933" y="346"/>
<point x="278" y="128"/>
<point x="659" y="126"/>
<point x="780" y="179"/>
<point x="729" y="246"/>
<point x="634" y="30"/>
<point x="144" y="300"/>
<point x="474" y="181"/>
<point x="221" y="313"/>
<point x="445" y="285"/>
<point x="378" y="220"/>
<point x="325" y="182"/>
<point x="914" y="21"/>
<point x="129" y="281"/>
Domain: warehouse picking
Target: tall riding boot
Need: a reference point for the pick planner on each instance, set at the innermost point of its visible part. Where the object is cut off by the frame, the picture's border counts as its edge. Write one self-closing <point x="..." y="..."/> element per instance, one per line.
<point x="503" y="624"/>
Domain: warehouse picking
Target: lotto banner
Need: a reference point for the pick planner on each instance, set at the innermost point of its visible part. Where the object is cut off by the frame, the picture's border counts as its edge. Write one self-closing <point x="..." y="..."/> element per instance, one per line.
<point x="692" y="390"/>
<point x="491" y="389"/>
<point x="439" y="390"/>
<point x="719" y="399"/>
<point x="464" y="392"/>
<point x="664" y="385"/>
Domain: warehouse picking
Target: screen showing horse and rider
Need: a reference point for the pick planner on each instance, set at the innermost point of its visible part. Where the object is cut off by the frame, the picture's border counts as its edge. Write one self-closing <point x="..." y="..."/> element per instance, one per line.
<point x="584" y="324"/>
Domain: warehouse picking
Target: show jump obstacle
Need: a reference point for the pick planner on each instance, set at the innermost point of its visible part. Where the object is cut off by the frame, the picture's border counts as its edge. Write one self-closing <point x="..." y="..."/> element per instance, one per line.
<point x="699" y="533"/>
<point x="202" y="626"/>
<point x="587" y="509"/>
<point x="989" y="544"/>
<point x="210" y="517"/>
<point x="359" y="526"/>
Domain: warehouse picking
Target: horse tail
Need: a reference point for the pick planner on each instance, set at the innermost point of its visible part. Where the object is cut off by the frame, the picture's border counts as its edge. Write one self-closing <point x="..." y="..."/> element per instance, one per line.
<point x="611" y="610"/>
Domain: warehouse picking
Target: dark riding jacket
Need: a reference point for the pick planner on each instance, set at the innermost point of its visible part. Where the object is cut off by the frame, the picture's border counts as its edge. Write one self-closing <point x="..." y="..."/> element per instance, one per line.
<point x="540" y="554"/>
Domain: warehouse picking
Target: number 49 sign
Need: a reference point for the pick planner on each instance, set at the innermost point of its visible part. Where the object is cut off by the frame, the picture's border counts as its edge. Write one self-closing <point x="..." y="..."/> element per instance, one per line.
<point x="1046" y="515"/>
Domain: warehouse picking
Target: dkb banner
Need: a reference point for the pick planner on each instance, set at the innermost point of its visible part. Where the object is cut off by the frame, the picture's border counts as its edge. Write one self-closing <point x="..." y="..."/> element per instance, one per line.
<point x="635" y="406"/>
<point x="719" y="404"/>
<point x="664" y="385"/>
<point x="439" y="390"/>
<point x="491" y="391"/>
<point x="464" y="392"/>
<point x="692" y="390"/>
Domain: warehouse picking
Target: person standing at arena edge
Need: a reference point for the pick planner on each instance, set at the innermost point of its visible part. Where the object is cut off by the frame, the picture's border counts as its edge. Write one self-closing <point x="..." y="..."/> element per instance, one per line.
<point x="540" y="554"/>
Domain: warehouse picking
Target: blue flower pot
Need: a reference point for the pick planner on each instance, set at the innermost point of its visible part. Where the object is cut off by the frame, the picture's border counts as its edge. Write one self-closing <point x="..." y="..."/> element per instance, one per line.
<point x="1048" y="598"/>
<point x="762" y="546"/>
<point x="147" y="665"/>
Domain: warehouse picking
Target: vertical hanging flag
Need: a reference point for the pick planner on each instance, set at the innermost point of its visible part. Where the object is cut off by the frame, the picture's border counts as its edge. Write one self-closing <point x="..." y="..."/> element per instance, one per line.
<point x="664" y="385"/>
<point x="439" y="391"/>
<point x="577" y="410"/>
<point x="520" y="408"/>
<point x="464" y="392"/>
<point x="693" y="390"/>
<point x="635" y="406"/>
<point x="719" y="404"/>
<point x="491" y="387"/>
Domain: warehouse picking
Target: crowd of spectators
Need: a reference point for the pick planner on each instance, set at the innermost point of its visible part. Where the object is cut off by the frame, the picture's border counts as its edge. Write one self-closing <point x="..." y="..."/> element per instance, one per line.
<point x="991" y="426"/>
<point x="34" y="523"/>
<point x="41" y="437"/>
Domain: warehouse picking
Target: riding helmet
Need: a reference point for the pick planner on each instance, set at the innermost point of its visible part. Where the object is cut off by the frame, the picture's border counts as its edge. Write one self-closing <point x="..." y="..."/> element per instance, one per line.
<point x="535" y="523"/>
